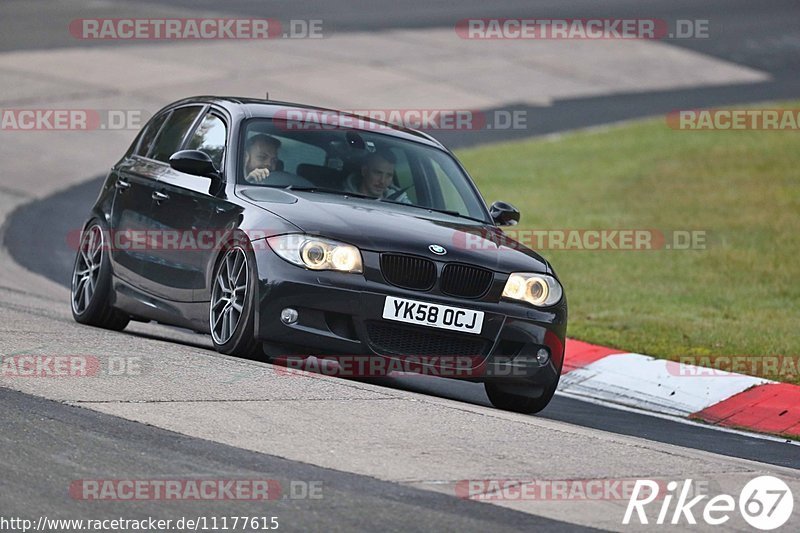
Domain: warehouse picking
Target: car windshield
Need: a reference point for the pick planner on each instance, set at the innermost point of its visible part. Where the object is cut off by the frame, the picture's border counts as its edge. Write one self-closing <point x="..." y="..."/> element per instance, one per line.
<point x="362" y="163"/>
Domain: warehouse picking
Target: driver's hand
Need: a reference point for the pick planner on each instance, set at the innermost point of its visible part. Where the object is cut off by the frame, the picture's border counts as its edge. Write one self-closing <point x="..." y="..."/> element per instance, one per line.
<point x="259" y="175"/>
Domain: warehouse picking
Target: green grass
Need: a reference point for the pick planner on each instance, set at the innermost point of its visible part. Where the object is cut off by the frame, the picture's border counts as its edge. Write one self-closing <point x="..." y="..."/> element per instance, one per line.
<point x="739" y="296"/>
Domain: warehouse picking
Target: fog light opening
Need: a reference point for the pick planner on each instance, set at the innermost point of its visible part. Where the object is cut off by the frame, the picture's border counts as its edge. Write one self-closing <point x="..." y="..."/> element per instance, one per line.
<point x="543" y="356"/>
<point x="289" y="316"/>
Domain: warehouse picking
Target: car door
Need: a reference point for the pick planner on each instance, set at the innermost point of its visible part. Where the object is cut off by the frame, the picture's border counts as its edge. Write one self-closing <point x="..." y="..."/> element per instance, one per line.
<point x="135" y="180"/>
<point x="161" y="260"/>
<point x="182" y="212"/>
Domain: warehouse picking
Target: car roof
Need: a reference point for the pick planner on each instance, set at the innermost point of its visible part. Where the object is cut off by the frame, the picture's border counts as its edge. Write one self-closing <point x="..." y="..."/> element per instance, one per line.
<point x="261" y="108"/>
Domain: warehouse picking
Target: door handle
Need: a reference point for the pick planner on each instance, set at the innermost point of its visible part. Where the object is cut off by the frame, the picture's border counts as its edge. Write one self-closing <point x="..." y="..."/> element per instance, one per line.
<point x="122" y="185"/>
<point x="159" y="196"/>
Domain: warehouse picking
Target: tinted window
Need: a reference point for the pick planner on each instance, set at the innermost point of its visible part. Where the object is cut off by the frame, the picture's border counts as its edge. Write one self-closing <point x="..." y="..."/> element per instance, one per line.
<point x="210" y="138"/>
<point x="403" y="176"/>
<point x="150" y="134"/>
<point x="452" y="198"/>
<point x="293" y="153"/>
<point x="173" y="132"/>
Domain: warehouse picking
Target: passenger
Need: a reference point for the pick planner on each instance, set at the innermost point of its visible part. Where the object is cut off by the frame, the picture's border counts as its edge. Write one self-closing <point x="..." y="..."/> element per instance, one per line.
<point x="377" y="177"/>
<point x="260" y="157"/>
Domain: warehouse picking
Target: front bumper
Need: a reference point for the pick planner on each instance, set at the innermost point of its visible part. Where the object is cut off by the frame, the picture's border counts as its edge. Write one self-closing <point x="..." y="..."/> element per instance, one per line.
<point x="340" y="314"/>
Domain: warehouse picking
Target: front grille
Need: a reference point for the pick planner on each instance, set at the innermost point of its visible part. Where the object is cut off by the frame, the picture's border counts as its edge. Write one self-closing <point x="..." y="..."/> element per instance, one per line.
<point x="409" y="272"/>
<point x="465" y="281"/>
<point x="392" y="339"/>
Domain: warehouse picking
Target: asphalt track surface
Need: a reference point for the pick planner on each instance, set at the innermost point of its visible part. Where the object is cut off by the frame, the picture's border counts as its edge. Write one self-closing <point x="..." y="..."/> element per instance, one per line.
<point x="84" y="442"/>
<point x="761" y="35"/>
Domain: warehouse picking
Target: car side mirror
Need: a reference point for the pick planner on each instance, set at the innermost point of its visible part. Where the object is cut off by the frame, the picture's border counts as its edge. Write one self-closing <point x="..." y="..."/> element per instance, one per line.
<point x="504" y="214"/>
<point x="194" y="162"/>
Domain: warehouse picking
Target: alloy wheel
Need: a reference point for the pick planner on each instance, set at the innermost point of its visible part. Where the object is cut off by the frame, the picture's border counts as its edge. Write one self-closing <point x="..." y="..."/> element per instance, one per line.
<point x="229" y="295"/>
<point x="87" y="269"/>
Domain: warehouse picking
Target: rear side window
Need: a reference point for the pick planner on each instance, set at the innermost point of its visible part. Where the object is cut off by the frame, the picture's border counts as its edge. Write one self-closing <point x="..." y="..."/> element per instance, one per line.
<point x="173" y="132"/>
<point x="150" y="134"/>
<point x="210" y="138"/>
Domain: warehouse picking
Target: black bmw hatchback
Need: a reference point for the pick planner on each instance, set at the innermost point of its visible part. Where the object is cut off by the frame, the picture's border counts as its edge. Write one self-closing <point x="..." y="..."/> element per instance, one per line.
<point x="286" y="231"/>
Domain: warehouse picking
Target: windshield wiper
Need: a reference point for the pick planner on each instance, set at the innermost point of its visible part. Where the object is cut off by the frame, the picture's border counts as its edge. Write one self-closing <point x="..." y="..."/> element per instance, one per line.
<point x="303" y="188"/>
<point x="445" y="211"/>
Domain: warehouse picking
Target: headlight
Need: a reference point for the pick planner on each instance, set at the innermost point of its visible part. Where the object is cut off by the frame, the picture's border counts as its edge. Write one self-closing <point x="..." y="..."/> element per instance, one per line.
<point x="316" y="253"/>
<point x="537" y="289"/>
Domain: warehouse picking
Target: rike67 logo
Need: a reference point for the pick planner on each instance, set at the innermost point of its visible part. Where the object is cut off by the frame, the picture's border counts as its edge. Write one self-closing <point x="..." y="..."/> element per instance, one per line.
<point x="766" y="503"/>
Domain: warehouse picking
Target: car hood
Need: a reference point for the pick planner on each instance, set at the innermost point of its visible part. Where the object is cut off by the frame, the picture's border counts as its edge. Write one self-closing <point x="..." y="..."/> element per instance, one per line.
<point x="382" y="227"/>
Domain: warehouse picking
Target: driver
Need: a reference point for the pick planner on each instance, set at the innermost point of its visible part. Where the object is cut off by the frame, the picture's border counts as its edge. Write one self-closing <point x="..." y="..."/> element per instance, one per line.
<point x="376" y="178"/>
<point x="260" y="157"/>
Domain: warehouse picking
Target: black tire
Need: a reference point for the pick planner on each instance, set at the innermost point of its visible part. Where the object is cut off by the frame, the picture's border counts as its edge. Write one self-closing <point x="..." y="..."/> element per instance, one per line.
<point x="518" y="403"/>
<point x="241" y="342"/>
<point x="92" y="306"/>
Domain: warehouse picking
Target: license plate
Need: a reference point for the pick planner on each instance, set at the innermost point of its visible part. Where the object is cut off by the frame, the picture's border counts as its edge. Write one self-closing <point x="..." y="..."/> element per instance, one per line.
<point x="433" y="315"/>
